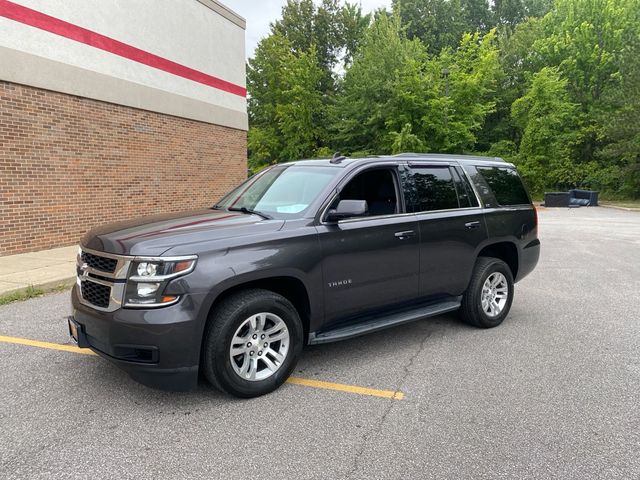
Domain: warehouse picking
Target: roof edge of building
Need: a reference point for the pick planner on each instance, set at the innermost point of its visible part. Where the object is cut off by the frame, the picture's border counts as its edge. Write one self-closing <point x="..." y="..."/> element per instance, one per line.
<point x="225" y="11"/>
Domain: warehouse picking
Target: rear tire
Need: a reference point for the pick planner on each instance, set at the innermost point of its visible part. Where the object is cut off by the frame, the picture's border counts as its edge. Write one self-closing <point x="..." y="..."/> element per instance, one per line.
<point x="487" y="301"/>
<point x="252" y="343"/>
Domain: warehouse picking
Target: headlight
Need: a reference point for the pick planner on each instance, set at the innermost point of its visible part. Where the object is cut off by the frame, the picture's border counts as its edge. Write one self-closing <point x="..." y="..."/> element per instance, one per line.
<point x="148" y="279"/>
<point x="147" y="269"/>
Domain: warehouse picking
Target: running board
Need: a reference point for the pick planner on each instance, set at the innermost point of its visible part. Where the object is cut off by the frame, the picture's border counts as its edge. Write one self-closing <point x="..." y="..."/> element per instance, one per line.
<point x="374" y="324"/>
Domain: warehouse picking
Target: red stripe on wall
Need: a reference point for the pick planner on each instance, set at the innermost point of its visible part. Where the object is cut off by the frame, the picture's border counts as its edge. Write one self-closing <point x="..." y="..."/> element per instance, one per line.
<point x="54" y="25"/>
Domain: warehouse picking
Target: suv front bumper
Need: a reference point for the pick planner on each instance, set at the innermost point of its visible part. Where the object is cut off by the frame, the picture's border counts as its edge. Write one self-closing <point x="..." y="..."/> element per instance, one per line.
<point x="159" y="347"/>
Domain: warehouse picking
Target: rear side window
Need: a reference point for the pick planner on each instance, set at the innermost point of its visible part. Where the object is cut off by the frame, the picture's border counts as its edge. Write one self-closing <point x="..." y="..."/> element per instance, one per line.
<point x="429" y="188"/>
<point x="506" y="185"/>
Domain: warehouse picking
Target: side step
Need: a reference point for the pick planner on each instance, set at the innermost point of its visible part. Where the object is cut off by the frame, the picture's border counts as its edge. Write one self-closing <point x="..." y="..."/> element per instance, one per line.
<point x="374" y="324"/>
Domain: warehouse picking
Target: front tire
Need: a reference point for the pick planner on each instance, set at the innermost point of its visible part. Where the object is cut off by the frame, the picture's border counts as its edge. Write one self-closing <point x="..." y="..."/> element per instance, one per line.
<point x="252" y="343"/>
<point x="487" y="301"/>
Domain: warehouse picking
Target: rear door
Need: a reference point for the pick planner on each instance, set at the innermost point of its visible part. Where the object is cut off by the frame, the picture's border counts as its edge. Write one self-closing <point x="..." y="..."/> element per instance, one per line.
<point x="451" y="225"/>
<point x="509" y="214"/>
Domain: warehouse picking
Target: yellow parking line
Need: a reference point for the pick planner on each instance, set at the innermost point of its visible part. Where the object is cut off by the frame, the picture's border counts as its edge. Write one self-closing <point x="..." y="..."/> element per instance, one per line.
<point x="306" y="382"/>
<point x="341" y="387"/>
<point x="52" y="346"/>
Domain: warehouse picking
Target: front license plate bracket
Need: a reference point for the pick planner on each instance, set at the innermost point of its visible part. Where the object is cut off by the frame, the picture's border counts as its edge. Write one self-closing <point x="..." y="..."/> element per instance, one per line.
<point x="77" y="333"/>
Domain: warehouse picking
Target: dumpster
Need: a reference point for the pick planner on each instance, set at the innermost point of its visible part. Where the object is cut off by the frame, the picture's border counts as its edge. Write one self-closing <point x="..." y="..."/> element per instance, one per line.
<point x="556" y="199"/>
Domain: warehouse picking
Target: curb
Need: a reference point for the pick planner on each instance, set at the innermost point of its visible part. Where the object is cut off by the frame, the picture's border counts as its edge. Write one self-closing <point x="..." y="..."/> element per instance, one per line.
<point x="45" y="287"/>
<point x="626" y="209"/>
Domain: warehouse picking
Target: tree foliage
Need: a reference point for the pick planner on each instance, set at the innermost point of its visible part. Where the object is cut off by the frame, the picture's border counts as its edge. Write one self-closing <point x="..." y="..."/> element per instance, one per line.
<point x="551" y="85"/>
<point x="287" y="120"/>
<point x="546" y="117"/>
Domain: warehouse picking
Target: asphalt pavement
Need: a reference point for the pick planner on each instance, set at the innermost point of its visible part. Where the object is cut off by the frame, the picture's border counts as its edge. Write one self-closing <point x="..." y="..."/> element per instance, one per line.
<point x="554" y="392"/>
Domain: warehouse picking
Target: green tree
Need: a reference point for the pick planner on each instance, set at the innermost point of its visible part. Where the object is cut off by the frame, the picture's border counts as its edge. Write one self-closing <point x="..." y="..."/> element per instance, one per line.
<point x="553" y="86"/>
<point x="291" y="79"/>
<point x="405" y="141"/>
<point x="446" y="98"/>
<point x="395" y="93"/>
<point x="352" y="25"/>
<point x="286" y="107"/>
<point x="474" y="69"/>
<point x="441" y="23"/>
<point x="584" y="39"/>
<point x="299" y="116"/>
<point x="305" y="25"/>
<point x="333" y="29"/>
<point x="518" y="62"/>
<point x="620" y="157"/>
<point x="360" y="117"/>
<point x="512" y="12"/>
<point x="546" y="117"/>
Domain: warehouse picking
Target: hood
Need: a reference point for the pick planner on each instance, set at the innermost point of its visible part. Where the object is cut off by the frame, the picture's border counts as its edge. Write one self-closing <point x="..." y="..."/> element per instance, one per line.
<point x="156" y="234"/>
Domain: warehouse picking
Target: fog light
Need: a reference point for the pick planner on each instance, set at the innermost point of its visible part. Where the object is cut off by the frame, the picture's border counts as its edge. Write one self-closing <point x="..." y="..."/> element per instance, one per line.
<point x="147" y="289"/>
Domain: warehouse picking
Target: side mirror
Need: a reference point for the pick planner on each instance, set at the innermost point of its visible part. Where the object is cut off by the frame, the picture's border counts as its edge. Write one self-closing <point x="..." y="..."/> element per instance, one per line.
<point x="347" y="209"/>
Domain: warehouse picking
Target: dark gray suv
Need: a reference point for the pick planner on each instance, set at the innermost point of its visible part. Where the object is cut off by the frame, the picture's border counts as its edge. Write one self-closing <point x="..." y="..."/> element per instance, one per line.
<point x="302" y="253"/>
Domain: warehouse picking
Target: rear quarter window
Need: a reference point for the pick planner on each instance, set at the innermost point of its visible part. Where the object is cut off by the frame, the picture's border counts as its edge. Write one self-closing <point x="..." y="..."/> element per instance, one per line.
<point x="506" y="185"/>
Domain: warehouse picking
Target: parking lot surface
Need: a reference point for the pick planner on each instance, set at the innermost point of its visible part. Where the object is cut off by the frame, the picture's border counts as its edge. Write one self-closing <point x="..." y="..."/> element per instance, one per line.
<point x="554" y="392"/>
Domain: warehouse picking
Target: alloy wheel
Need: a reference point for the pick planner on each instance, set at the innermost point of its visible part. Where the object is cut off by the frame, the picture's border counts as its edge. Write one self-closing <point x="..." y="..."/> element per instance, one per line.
<point x="494" y="295"/>
<point x="259" y="347"/>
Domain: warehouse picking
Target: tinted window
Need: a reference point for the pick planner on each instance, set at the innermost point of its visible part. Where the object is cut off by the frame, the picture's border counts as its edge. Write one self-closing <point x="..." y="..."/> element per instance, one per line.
<point x="482" y="187"/>
<point x="506" y="185"/>
<point x="465" y="194"/>
<point x="429" y="188"/>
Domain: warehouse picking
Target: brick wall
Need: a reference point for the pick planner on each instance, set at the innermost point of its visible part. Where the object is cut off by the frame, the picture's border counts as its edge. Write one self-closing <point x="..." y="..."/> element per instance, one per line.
<point x="68" y="163"/>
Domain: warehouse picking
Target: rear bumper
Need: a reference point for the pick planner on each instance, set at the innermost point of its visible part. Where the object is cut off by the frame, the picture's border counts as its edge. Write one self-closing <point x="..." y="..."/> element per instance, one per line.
<point x="159" y="348"/>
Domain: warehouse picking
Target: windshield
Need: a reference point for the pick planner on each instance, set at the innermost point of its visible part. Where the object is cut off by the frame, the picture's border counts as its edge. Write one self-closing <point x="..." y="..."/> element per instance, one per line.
<point x="280" y="191"/>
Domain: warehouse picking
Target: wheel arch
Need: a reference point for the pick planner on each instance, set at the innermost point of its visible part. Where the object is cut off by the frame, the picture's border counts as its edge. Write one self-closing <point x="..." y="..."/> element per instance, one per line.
<point x="290" y="286"/>
<point x="506" y="251"/>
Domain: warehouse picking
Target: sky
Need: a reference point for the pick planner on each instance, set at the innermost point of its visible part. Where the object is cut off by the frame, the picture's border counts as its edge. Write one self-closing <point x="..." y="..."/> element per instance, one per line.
<point x="260" y="13"/>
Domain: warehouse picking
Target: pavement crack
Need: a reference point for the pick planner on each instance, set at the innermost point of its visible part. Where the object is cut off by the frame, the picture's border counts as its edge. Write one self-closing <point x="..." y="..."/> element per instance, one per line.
<point x="373" y="433"/>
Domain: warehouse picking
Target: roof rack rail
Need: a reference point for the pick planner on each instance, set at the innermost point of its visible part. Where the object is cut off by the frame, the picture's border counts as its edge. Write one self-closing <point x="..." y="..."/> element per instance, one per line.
<point x="448" y="156"/>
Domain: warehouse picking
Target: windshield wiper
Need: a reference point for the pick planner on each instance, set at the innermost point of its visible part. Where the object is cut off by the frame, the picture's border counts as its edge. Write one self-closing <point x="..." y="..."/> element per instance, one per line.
<point x="248" y="211"/>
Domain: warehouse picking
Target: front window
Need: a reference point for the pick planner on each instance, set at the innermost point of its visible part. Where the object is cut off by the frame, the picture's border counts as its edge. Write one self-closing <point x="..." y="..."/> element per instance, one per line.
<point x="377" y="186"/>
<point x="282" y="192"/>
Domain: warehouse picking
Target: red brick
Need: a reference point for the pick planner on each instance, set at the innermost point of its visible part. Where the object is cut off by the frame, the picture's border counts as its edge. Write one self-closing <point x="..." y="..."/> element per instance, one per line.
<point x="69" y="163"/>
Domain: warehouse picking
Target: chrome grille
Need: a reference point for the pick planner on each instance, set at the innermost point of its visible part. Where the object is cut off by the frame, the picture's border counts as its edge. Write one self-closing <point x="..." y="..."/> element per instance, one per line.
<point x="97" y="262"/>
<point x="101" y="279"/>
<point x="95" y="293"/>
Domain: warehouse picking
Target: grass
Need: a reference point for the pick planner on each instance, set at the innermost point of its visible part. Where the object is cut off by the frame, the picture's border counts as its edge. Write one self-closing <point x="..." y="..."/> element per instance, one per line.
<point x="30" y="292"/>
<point x="622" y="203"/>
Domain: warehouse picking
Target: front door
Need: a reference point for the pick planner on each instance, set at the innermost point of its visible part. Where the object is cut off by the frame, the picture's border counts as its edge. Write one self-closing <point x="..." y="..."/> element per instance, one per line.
<point x="370" y="262"/>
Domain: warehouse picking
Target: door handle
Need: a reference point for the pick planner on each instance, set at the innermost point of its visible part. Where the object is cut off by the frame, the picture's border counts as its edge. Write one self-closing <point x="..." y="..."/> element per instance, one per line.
<point x="405" y="234"/>
<point x="472" y="225"/>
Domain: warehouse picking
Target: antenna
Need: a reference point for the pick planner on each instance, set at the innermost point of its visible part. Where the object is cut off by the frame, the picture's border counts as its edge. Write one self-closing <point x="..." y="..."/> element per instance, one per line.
<point x="337" y="158"/>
